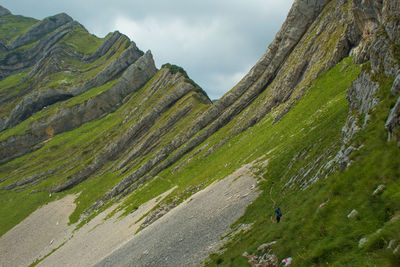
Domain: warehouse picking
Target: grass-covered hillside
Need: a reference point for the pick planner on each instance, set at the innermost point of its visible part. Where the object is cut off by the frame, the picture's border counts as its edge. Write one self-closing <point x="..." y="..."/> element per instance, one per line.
<point x="315" y="229"/>
<point x="316" y="120"/>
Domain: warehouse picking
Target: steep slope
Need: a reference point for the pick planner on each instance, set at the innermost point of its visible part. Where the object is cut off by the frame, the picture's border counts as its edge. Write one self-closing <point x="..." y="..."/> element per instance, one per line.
<point x="316" y="120"/>
<point x="303" y="131"/>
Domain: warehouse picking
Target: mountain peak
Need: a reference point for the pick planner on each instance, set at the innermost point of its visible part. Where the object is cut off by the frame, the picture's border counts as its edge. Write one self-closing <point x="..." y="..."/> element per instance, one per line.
<point x="61" y="16"/>
<point x="4" y="11"/>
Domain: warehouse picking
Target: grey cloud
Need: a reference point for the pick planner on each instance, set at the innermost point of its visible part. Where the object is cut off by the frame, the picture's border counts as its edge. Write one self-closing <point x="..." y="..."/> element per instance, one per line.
<point x="215" y="41"/>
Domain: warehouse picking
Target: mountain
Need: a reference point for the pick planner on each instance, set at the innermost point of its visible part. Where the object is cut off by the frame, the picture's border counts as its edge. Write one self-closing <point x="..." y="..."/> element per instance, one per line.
<point x="312" y="128"/>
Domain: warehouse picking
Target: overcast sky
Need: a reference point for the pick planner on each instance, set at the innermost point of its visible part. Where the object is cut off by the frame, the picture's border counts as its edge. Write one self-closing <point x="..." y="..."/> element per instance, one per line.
<point x="215" y="41"/>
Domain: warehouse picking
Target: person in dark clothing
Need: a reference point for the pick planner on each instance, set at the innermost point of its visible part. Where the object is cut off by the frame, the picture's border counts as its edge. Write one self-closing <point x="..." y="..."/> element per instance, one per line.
<point x="278" y="214"/>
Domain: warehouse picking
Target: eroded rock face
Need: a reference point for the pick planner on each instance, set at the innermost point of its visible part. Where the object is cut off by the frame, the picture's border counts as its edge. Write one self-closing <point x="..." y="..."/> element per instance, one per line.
<point x="35" y="102"/>
<point x="393" y="120"/>
<point x="396" y="86"/>
<point x="116" y="67"/>
<point x="18" y="60"/>
<point x="68" y="118"/>
<point x="362" y="94"/>
<point x="4" y="11"/>
<point x="50" y="64"/>
<point x="302" y="14"/>
<point x="130" y="138"/>
<point x="379" y="31"/>
<point x="40" y="29"/>
<point x="106" y="46"/>
<point x="300" y="17"/>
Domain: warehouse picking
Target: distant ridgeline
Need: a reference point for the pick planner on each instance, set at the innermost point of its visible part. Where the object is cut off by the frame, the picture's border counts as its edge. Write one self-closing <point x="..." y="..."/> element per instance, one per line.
<point x="317" y="118"/>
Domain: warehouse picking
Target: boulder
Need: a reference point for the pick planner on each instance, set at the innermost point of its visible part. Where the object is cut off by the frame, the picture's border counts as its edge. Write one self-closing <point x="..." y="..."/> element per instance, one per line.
<point x="362" y="242"/>
<point x="265" y="246"/>
<point x="391" y="244"/>
<point x="266" y="260"/>
<point x="352" y="214"/>
<point x="379" y="190"/>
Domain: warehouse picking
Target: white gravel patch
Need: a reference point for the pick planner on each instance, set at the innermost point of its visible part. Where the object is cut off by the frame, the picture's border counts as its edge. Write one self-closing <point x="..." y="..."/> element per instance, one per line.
<point x="98" y="238"/>
<point x="37" y="235"/>
<point x="188" y="233"/>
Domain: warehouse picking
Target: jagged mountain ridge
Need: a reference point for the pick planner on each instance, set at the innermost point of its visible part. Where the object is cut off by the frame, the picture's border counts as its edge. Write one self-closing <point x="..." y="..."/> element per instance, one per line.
<point x="118" y="73"/>
<point x="316" y="36"/>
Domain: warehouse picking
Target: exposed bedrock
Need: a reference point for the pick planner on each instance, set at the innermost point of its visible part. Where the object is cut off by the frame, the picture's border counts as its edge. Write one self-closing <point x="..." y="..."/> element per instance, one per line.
<point x="68" y="118"/>
<point x="135" y="132"/>
<point x="4" y="11"/>
<point x="40" y="29"/>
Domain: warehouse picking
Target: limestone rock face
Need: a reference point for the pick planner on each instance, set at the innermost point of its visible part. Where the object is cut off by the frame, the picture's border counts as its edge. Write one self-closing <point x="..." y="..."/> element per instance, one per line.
<point x="35" y="102"/>
<point x="301" y="15"/>
<point x="362" y="95"/>
<point x="374" y="20"/>
<point x="116" y="67"/>
<point x="4" y="11"/>
<point x="105" y="46"/>
<point x="40" y="29"/>
<point x="71" y="117"/>
<point x="138" y="130"/>
<point x="393" y="120"/>
<point x="47" y="57"/>
<point x="19" y="60"/>
<point x="396" y="86"/>
<point x="316" y="36"/>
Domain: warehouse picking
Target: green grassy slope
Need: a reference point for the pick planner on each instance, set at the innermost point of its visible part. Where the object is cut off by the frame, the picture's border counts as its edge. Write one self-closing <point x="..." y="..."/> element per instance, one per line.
<point x="326" y="237"/>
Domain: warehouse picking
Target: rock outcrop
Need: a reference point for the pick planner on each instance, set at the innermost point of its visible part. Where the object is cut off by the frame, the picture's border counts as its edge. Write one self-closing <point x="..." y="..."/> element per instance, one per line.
<point x="17" y="60"/>
<point x="68" y="118"/>
<point x="4" y="11"/>
<point x="113" y="70"/>
<point x="40" y="99"/>
<point x="35" y="102"/>
<point x="106" y="46"/>
<point x="40" y="29"/>
<point x="131" y="137"/>
<point x="104" y="118"/>
<point x="393" y="120"/>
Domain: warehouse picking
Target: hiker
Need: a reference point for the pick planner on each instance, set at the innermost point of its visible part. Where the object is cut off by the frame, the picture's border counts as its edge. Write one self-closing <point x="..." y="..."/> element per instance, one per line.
<point x="278" y="214"/>
<point x="287" y="261"/>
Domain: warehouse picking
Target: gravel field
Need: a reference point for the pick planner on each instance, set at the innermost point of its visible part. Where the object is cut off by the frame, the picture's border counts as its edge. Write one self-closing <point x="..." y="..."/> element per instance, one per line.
<point x="188" y="233"/>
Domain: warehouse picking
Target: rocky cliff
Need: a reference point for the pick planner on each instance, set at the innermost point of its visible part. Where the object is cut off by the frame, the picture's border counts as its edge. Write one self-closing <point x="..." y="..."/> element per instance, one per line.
<point x="316" y="121"/>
